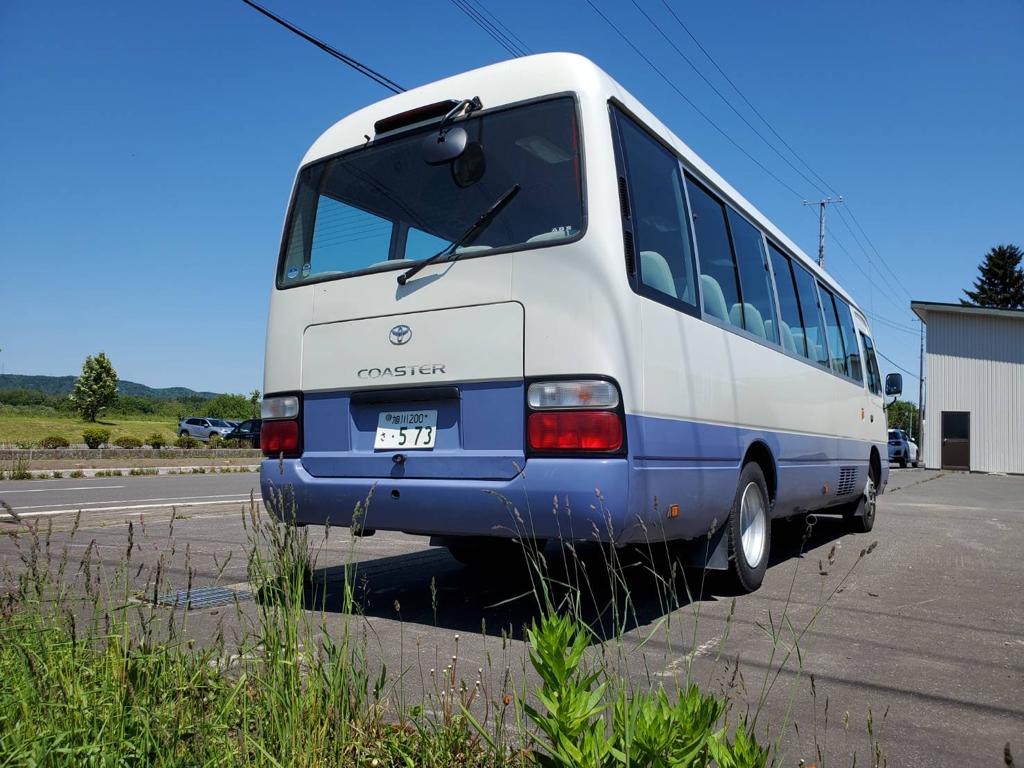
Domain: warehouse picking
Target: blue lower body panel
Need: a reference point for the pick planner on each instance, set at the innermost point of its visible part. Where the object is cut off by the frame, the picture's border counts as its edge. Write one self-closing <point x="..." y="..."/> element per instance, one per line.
<point x="677" y="481"/>
<point x="571" y="499"/>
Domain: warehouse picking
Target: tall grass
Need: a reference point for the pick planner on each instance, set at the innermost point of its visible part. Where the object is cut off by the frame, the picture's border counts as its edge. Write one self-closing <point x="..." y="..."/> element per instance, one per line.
<point x="95" y="672"/>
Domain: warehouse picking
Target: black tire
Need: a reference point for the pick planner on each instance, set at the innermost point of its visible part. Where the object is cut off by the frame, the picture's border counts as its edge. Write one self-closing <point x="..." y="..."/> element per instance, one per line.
<point x="903" y="463"/>
<point x="747" y="569"/>
<point x="183" y="433"/>
<point x="860" y="518"/>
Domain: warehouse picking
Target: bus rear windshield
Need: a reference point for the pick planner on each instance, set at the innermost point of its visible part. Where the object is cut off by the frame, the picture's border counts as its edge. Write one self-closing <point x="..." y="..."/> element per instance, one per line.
<point x="385" y="207"/>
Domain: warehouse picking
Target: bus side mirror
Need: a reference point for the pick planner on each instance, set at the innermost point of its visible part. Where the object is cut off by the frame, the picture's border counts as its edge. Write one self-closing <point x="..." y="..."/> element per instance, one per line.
<point x="894" y="384"/>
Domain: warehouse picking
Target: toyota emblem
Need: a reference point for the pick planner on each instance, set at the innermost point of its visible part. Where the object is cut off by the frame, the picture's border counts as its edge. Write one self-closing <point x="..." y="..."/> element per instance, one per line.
<point x="400" y="334"/>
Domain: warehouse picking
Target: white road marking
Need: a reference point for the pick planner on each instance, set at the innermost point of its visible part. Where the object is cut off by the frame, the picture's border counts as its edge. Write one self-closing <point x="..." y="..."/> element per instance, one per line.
<point x="58" y="490"/>
<point x="128" y="501"/>
<point x="52" y="512"/>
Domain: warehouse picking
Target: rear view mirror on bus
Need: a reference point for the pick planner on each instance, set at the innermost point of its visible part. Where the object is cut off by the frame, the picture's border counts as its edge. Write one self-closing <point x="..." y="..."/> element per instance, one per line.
<point x="445" y="146"/>
<point x="894" y="384"/>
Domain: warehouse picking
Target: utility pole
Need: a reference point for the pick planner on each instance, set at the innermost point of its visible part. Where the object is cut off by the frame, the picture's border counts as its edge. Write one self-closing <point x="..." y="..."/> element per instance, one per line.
<point x="822" y="204"/>
<point x="920" y="396"/>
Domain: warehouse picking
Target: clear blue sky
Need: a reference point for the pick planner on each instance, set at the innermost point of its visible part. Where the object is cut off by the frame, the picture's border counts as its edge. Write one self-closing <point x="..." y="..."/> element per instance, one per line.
<point x="148" y="148"/>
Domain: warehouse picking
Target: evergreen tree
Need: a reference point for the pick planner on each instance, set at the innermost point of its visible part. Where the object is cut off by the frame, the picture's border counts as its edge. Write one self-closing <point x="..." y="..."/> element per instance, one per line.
<point x="96" y="388"/>
<point x="1001" y="283"/>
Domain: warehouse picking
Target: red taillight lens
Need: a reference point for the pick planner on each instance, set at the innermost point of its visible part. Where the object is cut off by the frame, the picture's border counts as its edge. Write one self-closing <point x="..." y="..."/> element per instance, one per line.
<point x="277" y="437"/>
<point x="575" y="431"/>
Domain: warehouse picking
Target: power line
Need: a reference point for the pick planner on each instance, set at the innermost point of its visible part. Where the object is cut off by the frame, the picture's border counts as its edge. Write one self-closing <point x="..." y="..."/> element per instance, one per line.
<point x="873" y="248"/>
<point x="747" y="101"/>
<point x="508" y="32"/>
<point x="728" y="103"/>
<point x="358" y="66"/>
<point x="897" y="365"/>
<point x="489" y="28"/>
<point x="689" y="101"/>
<point x="788" y="146"/>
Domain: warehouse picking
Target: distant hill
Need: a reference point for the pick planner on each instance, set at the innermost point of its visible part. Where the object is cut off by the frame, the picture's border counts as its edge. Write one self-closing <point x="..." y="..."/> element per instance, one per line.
<point x="62" y="385"/>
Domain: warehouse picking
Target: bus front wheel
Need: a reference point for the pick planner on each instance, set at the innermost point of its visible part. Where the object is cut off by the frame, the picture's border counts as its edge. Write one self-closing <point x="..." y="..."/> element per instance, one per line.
<point x="750" y="529"/>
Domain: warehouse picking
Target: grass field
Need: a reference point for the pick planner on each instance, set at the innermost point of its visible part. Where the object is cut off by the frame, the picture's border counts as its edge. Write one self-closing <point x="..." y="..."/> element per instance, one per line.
<point x="19" y="428"/>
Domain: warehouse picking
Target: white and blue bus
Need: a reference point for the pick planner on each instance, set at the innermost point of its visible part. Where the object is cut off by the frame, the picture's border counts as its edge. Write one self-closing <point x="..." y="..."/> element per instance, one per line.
<point x="515" y="288"/>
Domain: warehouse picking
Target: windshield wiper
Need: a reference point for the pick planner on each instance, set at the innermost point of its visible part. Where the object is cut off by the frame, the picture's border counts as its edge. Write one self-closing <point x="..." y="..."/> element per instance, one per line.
<point x="475" y="229"/>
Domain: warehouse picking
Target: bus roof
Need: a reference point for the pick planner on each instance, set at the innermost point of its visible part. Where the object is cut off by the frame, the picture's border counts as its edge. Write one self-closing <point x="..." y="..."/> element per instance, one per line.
<point x="531" y="77"/>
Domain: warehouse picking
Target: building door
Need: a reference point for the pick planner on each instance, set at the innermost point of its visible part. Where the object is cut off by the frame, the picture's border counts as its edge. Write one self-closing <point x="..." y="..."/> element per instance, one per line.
<point x="956" y="440"/>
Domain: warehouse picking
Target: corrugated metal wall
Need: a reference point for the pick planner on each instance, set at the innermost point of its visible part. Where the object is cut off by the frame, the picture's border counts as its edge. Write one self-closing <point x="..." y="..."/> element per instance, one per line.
<point x="976" y="364"/>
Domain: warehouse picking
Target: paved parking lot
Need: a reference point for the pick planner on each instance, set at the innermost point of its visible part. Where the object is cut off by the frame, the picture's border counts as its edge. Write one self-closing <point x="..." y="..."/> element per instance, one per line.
<point x="926" y="632"/>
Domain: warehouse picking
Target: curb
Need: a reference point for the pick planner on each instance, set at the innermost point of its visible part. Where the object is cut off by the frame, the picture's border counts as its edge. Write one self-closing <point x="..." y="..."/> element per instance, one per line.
<point x="222" y="469"/>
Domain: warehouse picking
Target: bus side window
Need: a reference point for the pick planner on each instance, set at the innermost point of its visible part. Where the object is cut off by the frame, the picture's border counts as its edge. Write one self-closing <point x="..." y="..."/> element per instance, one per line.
<point x="813" y="330"/>
<point x="874" y="377"/>
<point x="791" y="326"/>
<point x="832" y="327"/>
<point x="719" y="281"/>
<point x="850" y="339"/>
<point x="758" y="307"/>
<point x="658" y="209"/>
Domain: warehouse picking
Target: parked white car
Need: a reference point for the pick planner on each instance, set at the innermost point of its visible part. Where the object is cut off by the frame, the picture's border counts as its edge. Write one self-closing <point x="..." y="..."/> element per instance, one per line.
<point x="201" y="428"/>
<point x="902" y="449"/>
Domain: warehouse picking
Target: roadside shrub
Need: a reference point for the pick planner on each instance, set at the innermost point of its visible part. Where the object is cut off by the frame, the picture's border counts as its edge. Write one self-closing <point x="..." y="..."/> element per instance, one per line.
<point x="232" y="443"/>
<point x="215" y="441"/>
<point x="25" y="444"/>
<point x="186" y="442"/>
<point x="96" y="437"/>
<point x="157" y="440"/>
<point x="127" y="441"/>
<point x="16" y="470"/>
<point x="53" y="441"/>
<point x="77" y="473"/>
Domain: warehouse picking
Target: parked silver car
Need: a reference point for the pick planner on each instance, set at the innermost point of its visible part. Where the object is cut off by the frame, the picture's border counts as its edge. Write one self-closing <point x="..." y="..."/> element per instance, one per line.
<point x="902" y="449"/>
<point x="201" y="428"/>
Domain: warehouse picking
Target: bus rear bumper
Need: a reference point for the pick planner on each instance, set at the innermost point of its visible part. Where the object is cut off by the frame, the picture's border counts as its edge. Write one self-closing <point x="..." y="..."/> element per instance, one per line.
<point x="567" y="499"/>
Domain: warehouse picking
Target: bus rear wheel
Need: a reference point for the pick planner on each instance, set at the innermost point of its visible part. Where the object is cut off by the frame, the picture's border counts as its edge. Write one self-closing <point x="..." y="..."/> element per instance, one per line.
<point x="750" y="530"/>
<point x="487" y="551"/>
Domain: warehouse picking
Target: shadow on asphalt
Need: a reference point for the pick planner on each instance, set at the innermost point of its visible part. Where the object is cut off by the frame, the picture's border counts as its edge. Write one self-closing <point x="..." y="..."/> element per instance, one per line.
<point x="431" y="588"/>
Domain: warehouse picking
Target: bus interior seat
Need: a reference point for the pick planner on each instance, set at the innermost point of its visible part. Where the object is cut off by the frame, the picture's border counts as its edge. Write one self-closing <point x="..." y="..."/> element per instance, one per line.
<point x="750" y="313"/>
<point x="787" y="335"/>
<point x="714" y="299"/>
<point x="656" y="272"/>
<point x="799" y="341"/>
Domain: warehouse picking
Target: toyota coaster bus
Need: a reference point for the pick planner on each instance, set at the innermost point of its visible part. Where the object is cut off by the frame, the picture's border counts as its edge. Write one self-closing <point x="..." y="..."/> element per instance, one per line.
<point x="513" y="303"/>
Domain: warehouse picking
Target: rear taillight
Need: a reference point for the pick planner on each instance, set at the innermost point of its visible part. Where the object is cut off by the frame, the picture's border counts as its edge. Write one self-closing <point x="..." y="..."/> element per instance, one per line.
<point x="575" y="431"/>
<point x="280" y="434"/>
<point x="574" y="416"/>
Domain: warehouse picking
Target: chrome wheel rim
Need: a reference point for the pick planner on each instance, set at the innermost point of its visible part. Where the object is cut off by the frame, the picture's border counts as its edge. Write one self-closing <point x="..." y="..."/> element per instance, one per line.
<point x="753" y="524"/>
<point x="870" y="498"/>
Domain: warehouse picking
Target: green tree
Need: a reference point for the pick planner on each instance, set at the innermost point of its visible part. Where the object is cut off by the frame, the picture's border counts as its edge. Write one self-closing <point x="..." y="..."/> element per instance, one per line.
<point x="229" y="407"/>
<point x="904" y="415"/>
<point x="1001" y="282"/>
<point x="254" y="398"/>
<point x="96" y="388"/>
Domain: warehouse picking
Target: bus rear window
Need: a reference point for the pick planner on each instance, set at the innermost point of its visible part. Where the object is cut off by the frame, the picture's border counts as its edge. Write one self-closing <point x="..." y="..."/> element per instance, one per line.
<point x="384" y="206"/>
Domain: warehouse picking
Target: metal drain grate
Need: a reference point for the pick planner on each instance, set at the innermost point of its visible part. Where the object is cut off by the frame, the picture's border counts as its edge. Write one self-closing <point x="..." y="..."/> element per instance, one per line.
<point x="847" y="478"/>
<point x="203" y="597"/>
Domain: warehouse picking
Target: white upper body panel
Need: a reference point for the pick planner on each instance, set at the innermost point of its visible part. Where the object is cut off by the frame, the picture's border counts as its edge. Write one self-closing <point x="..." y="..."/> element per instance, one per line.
<point x="577" y="312"/>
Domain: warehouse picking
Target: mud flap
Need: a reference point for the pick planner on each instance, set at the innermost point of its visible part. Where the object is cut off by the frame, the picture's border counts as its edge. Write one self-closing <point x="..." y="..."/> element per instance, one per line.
<point x="710" y="552"/>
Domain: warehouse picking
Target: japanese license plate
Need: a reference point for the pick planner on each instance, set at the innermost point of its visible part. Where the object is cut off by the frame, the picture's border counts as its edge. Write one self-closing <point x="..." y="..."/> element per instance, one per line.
<point x="405" y="431"/>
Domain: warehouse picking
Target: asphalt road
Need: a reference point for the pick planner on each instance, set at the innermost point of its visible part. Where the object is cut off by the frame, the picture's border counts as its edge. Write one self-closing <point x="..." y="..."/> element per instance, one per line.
<point x="52" y="498"/>
<point x="926" y="632"/>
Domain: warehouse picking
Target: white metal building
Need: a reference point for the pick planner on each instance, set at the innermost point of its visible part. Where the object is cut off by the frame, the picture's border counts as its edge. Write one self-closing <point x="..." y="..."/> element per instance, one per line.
<point x="974" y="403"/>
